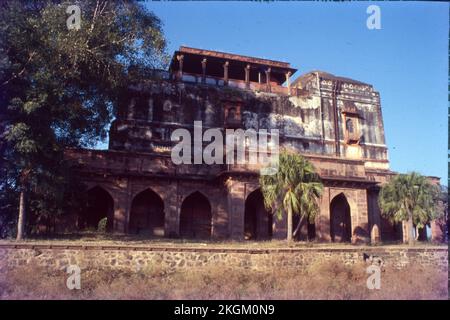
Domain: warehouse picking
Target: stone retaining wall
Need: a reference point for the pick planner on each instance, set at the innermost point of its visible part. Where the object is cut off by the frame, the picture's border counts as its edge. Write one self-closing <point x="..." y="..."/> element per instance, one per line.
<point x="136" y="258"/>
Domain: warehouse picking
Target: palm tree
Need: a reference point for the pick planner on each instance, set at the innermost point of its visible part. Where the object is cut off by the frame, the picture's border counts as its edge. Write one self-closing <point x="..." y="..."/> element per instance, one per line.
<point x="411" y="198"/>
<point x="294" y="188"/>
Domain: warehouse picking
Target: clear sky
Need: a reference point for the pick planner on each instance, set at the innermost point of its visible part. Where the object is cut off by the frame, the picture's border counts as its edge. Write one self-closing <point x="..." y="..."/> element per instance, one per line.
<point x="406" y="61"/>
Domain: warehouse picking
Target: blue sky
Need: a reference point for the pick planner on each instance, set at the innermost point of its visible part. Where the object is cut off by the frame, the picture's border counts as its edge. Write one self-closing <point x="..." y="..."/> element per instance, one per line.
<point x="406" y="61"/>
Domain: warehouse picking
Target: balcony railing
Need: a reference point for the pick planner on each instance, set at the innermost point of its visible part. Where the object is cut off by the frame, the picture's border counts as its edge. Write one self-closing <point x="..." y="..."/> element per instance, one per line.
<point x="234" y="83"/>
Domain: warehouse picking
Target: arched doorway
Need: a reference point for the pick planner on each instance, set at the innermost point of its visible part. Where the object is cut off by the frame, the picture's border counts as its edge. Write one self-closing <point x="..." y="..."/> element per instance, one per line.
<point x="424" y="233"/>
<point x="100" y="205"/>
<point x="340" y="219"/>
<point x="257" y="220"/>
<point x="147" y="214"/>
<point x="306" y="231"/>
<point x="195" y="217"/>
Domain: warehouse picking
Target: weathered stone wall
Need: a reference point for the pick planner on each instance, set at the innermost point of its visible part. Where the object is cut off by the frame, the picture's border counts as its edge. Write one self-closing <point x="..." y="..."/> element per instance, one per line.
<point x="311" y="123"/>
<point x="136" y="258"/>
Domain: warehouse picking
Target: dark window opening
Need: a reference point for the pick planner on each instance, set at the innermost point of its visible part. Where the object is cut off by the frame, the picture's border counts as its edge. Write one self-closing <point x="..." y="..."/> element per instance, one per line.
<point x="305" y="145"/>
<point x="349" y="124"/>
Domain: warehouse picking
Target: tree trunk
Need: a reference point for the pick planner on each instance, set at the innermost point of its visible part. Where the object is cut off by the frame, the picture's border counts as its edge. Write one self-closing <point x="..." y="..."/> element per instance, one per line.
<point x="289" y="224"/>
<point x="22" y="216"/>
<point x="417" y="233"/>
<point x="405" y="231"/>
<point x="297" y="229"/>
<point x="410" y="229"/>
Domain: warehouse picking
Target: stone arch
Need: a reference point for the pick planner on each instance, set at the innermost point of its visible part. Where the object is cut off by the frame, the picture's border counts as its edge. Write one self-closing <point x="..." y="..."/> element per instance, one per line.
<point x="153" y="187"/>
<point x="250" y="187"/>
<point x="196" y="217"/>
<point x="100" y="205"/>
<point x="258" y="223"/>
<point x="147" y="214"/>
<point x="340" y="219"/>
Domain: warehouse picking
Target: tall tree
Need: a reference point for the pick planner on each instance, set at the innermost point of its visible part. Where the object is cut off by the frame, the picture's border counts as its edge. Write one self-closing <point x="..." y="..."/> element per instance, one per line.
<point x="409" y="198"/>
<point x="294" y="189"/>
<point x="59" y="87"/>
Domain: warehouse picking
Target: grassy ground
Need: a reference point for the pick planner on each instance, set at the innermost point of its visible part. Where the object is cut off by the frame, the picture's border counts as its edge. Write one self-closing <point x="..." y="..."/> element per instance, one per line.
<point x="95" y="238"/>
<point x="326" y="280"/>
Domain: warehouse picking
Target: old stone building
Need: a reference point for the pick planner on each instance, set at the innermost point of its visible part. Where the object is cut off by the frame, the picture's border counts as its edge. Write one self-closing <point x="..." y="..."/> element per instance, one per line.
<point x="335" y="122"/>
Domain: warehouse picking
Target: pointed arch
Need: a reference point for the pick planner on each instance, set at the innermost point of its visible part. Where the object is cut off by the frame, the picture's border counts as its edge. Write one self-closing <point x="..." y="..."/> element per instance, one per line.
<point x="147" y="214"/>
<point x="340" y="219"/>
<point x="257" y="219"/>
<point x="100" y="205"/>
<point x="196" y="217"/>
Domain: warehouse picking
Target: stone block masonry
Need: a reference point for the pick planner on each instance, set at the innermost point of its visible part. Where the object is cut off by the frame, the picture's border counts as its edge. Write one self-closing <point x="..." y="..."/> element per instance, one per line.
<point x="135" y="258"/>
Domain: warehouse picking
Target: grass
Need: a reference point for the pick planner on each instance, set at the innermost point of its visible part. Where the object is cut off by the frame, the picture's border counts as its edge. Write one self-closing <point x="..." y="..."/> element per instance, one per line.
<point x="96" y="238"/>
<point x="325" y="280"/>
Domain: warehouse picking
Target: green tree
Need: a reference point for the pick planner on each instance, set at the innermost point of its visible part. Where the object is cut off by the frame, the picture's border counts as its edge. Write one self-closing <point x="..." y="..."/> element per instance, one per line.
<point x="294" y="189"/>
<point x="59" y="88"/>
<point x="411" y="198"/>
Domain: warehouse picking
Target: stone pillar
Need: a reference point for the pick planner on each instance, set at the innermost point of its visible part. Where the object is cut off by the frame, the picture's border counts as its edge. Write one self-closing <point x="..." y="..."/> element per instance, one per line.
<point x="180" y="59"/>
<point x="438" y="230"/>
<point x="247" y="76"/>
<point x="323" y="218"/>
<point x="120" y="215"/>
<point x="374" y="216"/>
<point x="172" y="211"/>
<point x="360" y="218"/>
<point x="121" y="206"/>
<point x="405" y="231"/>
<point x="236" y="208"/>
<point x="204" y="70"/>
<point x="220" y="214"/>
<point x="288" y="81"/>
<point x="131" y="108"/>
<point x="225" y="73"/>
<point x="268" y="78"/>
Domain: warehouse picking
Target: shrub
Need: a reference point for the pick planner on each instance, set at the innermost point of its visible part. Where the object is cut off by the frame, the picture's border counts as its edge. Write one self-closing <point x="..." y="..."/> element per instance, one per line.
<point x="102" y="225"/>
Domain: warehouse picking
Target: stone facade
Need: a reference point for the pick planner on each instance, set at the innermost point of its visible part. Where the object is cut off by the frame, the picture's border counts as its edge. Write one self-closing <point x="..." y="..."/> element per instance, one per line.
<point x="135" y="258"/>
<point x="335" y="122"/>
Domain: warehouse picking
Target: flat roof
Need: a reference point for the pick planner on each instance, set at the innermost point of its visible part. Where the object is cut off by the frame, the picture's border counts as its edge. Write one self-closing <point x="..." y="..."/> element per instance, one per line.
<point x="233" y="56"/>
<point x="215" y="59"/>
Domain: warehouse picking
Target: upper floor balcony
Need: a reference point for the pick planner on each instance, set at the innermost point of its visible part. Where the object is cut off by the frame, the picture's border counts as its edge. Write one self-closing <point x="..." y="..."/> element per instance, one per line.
<point x="192" y="78"/>
<point x="225" y="69"/>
